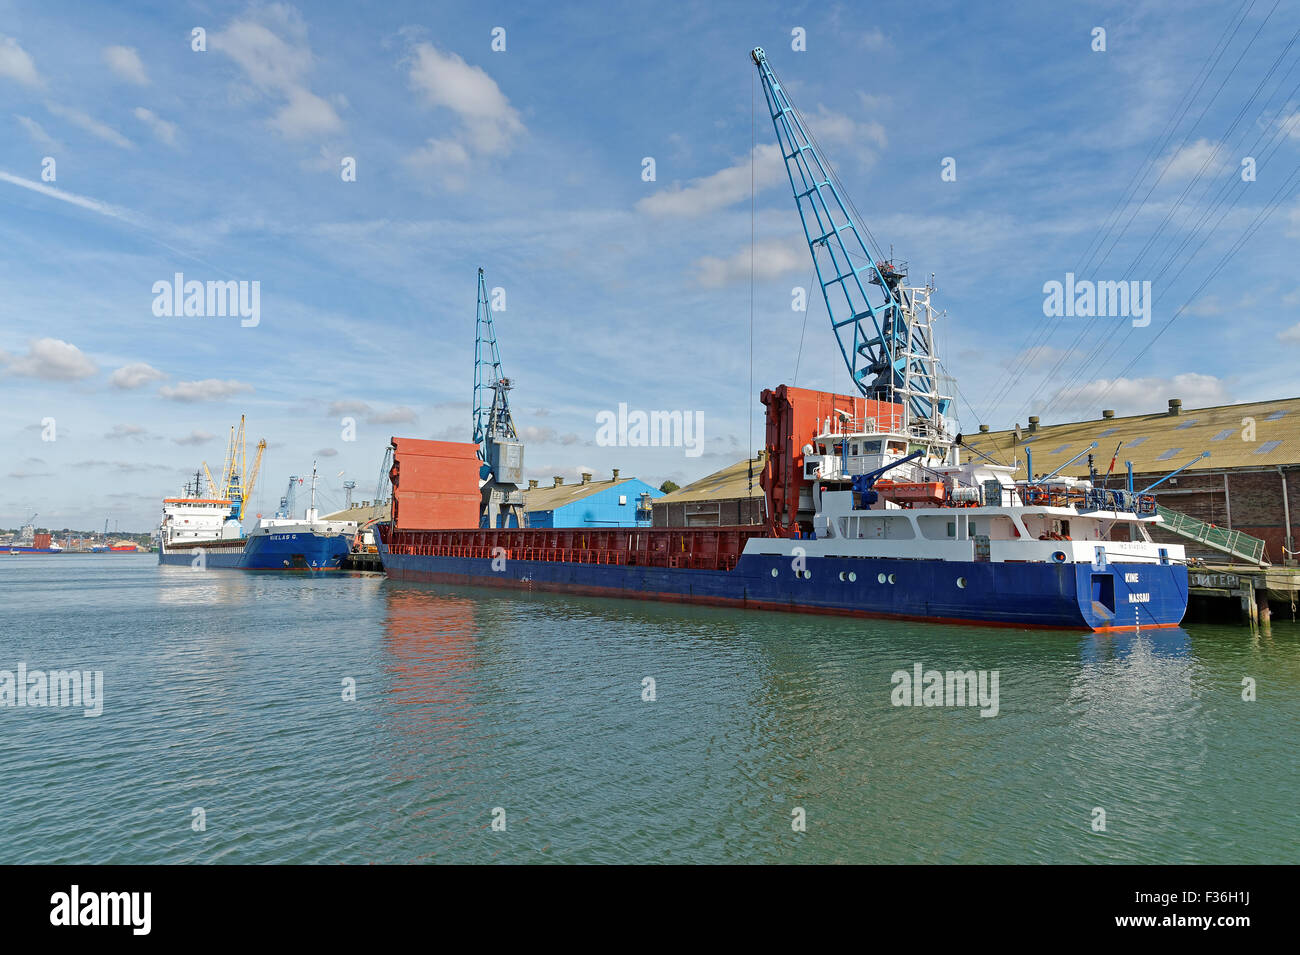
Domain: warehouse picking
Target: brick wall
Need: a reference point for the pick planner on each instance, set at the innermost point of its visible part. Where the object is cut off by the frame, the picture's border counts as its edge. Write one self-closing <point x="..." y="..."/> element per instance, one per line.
<point x="1252" y="504"/>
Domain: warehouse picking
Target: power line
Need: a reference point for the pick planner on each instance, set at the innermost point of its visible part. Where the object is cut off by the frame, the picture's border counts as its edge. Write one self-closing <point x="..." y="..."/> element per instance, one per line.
<point x="1043" y="331"/>
<point x="1276" y="140"/>
<point x="1052" y="374"/>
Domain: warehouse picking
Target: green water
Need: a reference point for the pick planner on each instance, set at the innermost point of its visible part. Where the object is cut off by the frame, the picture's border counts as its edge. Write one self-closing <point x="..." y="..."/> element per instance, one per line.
<point x="223" y="691"/>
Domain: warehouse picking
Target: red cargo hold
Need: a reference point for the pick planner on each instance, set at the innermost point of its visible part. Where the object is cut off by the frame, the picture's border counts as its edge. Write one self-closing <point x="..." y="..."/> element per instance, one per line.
<point x="435" y="484"/>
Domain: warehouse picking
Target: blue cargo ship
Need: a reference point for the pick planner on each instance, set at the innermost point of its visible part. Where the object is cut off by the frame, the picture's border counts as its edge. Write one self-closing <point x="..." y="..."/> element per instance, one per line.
<point x="291" y="545"/>
<point x="206" y="533"/>
<point x="938" y="540"/>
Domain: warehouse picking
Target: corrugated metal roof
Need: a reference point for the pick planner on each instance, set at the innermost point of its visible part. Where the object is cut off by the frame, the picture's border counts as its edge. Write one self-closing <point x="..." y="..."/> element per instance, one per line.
<point x="361" y="514"/>
<point x="729" y="483"/>
<point x="1148" y="439"/>
<point x="549" y="498"/>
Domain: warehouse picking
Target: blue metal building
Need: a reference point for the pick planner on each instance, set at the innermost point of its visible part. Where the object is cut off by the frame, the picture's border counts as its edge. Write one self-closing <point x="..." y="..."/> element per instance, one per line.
<point x="619" y="502"/>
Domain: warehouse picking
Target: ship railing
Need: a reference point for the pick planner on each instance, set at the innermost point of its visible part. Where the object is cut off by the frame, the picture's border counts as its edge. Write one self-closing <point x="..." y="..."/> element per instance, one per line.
<point x="1087" y="499"/>
<point x="697" y="548"/>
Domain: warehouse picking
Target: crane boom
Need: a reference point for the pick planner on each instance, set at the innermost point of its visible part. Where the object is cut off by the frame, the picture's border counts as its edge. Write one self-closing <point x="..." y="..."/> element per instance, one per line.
<point x="257" y="466"/>
<point x="883" y="327"/>
<point x="500" y="449"/>
<point x="212" y="485"/>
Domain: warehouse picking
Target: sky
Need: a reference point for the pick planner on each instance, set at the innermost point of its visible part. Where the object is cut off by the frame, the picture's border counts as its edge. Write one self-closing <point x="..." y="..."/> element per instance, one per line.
<point x="996" y="147"/>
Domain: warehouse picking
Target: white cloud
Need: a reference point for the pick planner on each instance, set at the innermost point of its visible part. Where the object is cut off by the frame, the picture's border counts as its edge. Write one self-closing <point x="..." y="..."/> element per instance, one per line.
<point x="829" y="126"/>
<point x="874" y="102"/>
<point x="278" y="67"/>
<point x="125" y="62"/>
<point x="348" y="406"/>
<point x="134" y="375"/>
<point x="772" y="259"/>
<point x="1186" y="162"/>
<point x="133" y="431"/>
<point x="94" y="205"/>
<point x="399" y="415"/>
<point x="194" y="438"/>
<point x="38" y="134"/>
<point x="326" y="453"/>
<point x="718" y="190"/>
<point x="488" y="126"/>
<point x="1038" y="358"/>
<point x="532" y="434"/>
<point x="209" y="389"/>
<point x="306" y="115"/>
<point x="874" y="40"/>
<point x="1291" y="124"/>
<point x="164" y="131"/>
<point x="16" y="64"/>
<point x="1141" y="395"/>
<point x="52" y="359"/>
<point x="91" y="125"/>
<point x="1290" y="335"/>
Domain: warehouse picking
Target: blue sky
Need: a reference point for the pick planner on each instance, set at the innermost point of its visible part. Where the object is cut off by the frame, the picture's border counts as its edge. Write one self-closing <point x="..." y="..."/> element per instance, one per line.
<point x="225" y="165"/>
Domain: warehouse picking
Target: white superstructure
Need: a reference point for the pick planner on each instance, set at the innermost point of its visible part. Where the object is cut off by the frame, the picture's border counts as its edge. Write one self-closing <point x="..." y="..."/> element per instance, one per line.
<point x="930" y="508"/>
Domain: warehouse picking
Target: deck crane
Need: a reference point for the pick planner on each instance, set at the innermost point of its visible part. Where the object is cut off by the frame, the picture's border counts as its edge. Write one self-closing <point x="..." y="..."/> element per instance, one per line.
<point x="885" y="328"/>
<point x="286" y="508"/>
<point x="502" y="453"/>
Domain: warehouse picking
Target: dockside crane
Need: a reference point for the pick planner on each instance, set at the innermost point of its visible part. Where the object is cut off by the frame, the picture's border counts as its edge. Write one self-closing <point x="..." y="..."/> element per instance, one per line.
<point x="502" y="453"/>
<point x="287" y="508"/>
<point x="884" y="327"/>
<point x="237" y="481"/>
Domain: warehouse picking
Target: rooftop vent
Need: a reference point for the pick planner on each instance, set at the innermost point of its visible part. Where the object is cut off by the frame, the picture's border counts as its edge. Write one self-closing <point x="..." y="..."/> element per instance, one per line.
<point x="1033" y="422"/>
<point x="984" y="429"/>
<point x="1175" y="406"/>
<point x="532" y="483"/>
<point x="616" y="474"/>
<point x="1108" y="413"/>
<point x="586" y="477"/>
<point x="558" y="481"/>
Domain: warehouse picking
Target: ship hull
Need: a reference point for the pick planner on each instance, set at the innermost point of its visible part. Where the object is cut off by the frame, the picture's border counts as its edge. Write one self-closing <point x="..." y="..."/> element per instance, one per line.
<point x="1018" y="594"/>
<point x="312" y="553"/>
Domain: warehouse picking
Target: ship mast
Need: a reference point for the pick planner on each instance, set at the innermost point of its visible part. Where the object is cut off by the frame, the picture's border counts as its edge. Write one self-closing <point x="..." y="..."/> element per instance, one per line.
<point x="311" y="511"/>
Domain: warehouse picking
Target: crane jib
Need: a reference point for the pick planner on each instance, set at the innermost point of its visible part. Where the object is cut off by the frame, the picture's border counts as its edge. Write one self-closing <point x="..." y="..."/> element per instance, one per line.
<point x="883" y="327"/>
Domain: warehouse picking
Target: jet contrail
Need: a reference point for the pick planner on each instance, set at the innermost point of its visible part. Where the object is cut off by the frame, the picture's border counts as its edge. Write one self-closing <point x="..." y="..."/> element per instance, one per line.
<point x="94" y="205"/>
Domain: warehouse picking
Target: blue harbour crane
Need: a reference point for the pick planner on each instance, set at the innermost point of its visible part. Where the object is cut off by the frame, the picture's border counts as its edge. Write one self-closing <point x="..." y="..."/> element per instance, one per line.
<point x="500" y="450"/>
<point x="287" y="501"/>
<point x="884" y="327"/>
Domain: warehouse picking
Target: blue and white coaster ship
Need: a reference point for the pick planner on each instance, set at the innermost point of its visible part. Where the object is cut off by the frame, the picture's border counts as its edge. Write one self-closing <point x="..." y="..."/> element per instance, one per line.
<point x="207" y="533"/>
<point x="943" y="540"/>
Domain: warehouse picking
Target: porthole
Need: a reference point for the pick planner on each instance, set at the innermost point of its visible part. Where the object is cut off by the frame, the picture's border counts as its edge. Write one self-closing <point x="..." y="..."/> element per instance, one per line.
<point x="841" y="576"/>
<point x="775" y="572"/>
<point x="852" y="576"/>
<point x="881" y="578"/>
<point x="961" y="583"/>
<point x="891" y="578"/>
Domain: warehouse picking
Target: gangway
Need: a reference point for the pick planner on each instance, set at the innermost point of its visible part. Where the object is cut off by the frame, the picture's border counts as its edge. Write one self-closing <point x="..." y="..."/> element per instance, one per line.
<point x="1235" y="543"/>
